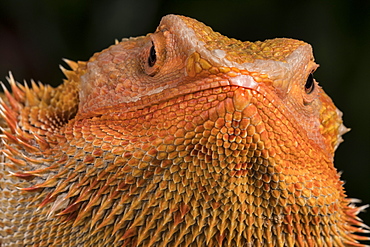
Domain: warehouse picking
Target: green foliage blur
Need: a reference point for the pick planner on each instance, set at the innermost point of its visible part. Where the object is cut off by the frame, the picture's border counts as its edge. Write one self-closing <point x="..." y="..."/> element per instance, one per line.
<point x="36" y="35"/>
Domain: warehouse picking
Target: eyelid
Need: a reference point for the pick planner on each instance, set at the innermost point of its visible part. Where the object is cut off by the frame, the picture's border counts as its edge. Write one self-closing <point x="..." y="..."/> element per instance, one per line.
<point x="152" y="58"/>
<point x="158" y="41"/>
<point x="309" y="97"/>
<point x="311" y="84"/>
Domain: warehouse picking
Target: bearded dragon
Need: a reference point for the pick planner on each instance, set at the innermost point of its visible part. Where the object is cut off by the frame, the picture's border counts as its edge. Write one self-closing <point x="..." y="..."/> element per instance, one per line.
<point x="182" y="137"/>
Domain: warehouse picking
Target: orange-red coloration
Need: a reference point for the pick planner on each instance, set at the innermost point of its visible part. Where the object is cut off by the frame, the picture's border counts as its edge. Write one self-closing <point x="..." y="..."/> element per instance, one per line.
<point x="183" y="137"/>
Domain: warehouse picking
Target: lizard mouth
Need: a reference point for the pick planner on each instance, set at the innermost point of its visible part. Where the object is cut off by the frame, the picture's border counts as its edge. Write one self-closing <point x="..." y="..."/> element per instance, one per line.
<point x="245" y="81"/>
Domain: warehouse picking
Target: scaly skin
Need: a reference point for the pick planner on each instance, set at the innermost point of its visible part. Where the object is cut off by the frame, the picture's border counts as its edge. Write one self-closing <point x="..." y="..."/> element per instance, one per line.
<point x="183" y="137"/>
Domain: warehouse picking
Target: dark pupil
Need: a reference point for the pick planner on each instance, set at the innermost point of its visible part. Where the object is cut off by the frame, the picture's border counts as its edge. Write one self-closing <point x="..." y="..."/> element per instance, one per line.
<point x="309" y="84"/>
<point x="152" y="56"/>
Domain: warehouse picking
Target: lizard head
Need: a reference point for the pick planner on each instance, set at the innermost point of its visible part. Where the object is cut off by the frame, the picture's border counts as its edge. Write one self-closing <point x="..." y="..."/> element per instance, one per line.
<point x="185" y="56"/>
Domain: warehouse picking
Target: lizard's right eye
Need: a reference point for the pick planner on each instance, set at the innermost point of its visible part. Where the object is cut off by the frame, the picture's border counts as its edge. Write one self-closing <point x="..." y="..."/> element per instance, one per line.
<point x="152" y="56"/>
<point x="310" y="84"/>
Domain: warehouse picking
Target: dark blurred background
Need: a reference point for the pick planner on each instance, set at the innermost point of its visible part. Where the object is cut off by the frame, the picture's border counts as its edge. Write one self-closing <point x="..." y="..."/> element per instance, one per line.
<point x="36" y="35"/>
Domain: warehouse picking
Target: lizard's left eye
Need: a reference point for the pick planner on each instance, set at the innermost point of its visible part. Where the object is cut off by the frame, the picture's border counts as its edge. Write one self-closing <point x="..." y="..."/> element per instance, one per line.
<point x="152" y="56"/>
<point x="310" y="84"/>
